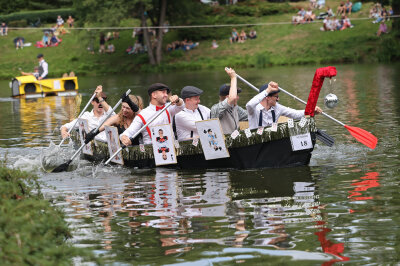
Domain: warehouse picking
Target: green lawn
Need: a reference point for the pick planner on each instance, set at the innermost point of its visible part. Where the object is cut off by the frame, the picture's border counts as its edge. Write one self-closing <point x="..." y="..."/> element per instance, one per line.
<point x="282" y="44"/>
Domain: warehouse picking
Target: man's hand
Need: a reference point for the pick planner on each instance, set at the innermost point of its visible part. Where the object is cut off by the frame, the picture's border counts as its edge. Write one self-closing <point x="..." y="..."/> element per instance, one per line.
<point x="174" y="99"/>
<point x="39" y="78"/>
<point x="125" y="140"/>
<point x="98" y="91"/>
<point x="318" y="110"/>
<point x="64" y="133"/>
<point x="231" y="72"/>
<point x="272" y="86"/>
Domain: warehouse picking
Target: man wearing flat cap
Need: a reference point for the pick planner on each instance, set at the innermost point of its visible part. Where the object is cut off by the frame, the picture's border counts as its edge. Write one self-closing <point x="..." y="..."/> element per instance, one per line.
<point x="158" y="94"/>
<point x="184" y="123"/>
<point x="264" y="109"/>
<point x="43" y="67"/>
<point x="227" y="110"/>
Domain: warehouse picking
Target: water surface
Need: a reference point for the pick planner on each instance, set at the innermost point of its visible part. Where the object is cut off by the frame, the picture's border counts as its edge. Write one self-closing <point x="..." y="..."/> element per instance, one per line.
<point x="342" y="208"/>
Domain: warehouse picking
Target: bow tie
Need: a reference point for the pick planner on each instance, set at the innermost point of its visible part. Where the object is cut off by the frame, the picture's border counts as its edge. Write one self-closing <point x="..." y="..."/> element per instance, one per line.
<point x="159" y="108"/>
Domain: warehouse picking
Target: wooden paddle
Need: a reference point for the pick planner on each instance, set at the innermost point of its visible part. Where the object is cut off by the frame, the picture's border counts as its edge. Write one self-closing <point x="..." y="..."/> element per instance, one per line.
<point x="76" y="121"/>
<point x="64" y="167"/>
<point x="359" y="134"/>
<point x="138" y="132"/>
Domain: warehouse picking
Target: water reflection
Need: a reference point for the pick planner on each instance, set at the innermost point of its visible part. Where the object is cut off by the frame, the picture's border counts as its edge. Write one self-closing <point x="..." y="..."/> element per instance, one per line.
<point x="164" y="212"/>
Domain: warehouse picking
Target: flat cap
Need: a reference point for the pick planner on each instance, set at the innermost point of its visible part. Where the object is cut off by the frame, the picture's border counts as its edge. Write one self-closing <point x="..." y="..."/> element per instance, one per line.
<point x="158" y="87"/>
<point x="190" y="91"/>
<point x="224" y="89"/>
<point x="39" y="56"/>
<point x="265" y="86"/>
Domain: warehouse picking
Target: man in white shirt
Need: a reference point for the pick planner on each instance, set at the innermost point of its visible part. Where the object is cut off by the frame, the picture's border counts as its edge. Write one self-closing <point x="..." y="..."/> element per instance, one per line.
<point x="184" y="122"/>
<point x="158" y="93"/>
<point x="95" y="117"/>
<point x="264" y="109"/>
<point x="43" y="67"/>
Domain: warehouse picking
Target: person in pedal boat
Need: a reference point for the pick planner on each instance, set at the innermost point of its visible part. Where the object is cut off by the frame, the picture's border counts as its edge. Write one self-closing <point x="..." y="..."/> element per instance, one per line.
<point x="100" y="111"/>
<point x="131" y="106"/>
<point x="184" y="123"/>
<point x="264" y="109"/>
<point x="158" y="94"/>
<point x="227" y="110"/>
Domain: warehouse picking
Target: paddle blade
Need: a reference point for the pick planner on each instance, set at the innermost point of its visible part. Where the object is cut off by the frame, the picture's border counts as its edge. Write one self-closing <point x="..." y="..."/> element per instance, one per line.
<point x="324" y="138"/>
<point x="363" y="136"/>
<point x="62" y="167"/>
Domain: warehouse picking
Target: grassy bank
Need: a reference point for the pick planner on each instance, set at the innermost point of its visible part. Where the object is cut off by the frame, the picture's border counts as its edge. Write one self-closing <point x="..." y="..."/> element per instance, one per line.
<point x="32" y="232"/>
<point x="277" y="44"/>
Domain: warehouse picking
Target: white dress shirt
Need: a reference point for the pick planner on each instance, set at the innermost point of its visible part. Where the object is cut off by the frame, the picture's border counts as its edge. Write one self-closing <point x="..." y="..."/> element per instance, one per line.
<point x="93" y="122"/>
<point x="147" y="114"/>
<point x="45" y="68"/>
<point x="254" y="108"/>
<point x="185" y="122"/>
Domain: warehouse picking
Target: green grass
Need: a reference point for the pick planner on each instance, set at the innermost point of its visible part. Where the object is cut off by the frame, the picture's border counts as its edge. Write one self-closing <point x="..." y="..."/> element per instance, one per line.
<point x="276" y="45"/>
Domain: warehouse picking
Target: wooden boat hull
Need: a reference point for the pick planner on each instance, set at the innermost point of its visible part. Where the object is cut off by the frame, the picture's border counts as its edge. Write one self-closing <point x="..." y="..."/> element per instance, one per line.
<point x="268" y="150"/>
<point x="30" y="87"/>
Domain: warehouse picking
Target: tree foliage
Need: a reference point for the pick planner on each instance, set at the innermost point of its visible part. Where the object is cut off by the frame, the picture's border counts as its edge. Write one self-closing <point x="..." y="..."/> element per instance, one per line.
<point x="7" y="7"/>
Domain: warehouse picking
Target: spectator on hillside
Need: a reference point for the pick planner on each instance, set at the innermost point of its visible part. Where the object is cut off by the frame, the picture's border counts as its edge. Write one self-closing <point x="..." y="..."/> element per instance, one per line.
<point x="116" y="35"/>
<point x="328" y="13"/>
<point x="382" y="29"/>
<point x="234" y="36"/>
<point x="3" y="29"/>
<point x="336" y="24"/>
<point x="326" y="24"/>
<point x="110" y="48"/>
<point x="252" y="34"/>
<point x="347" y="7"/>
<point x="19" y="43"/>
<point x="214" y="44"/>
<point x="313" y="4"/>
<point x="102" y="42"/>
<point x="242" y="36"/>
<point x="70" y="21"/>
<point x="320" y="4"/>
<point x="299" y="19"/>
<point x="137" y="48"/>
<point x="341" y="9"/>
<point x="309" y="16"/>
<point x="346" y="23"/>
<point x="45" y="39"/>
<point x="60" y="21"/>
<point x="54" y="40"/>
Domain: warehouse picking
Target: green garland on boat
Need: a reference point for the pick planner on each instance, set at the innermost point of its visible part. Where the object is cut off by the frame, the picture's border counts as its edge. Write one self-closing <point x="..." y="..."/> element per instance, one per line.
<point x="100" y="149"/>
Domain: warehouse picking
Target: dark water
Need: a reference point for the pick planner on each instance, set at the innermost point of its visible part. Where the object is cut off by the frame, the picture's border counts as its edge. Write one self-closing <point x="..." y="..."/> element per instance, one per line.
<point x="343" y="208"/>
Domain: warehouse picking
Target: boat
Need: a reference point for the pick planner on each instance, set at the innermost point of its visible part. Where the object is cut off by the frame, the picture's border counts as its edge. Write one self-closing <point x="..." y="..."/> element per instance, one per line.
<point x="270" y="149"/>
<point x="30" y="87"/>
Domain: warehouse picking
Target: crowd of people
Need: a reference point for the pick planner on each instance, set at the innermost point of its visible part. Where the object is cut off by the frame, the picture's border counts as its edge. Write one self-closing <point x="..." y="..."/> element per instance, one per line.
<point x="261" y="111"/>
<point x="242" y="36"/>
<point x="184" y="45"/>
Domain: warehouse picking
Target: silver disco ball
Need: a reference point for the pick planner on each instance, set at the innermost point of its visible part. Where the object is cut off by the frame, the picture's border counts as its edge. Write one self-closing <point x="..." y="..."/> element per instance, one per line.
<point x="331" y="100"/>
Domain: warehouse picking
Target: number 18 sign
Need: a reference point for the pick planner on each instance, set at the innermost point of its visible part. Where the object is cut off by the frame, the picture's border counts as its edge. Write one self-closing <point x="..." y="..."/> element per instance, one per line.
<point x="301" y="142"/>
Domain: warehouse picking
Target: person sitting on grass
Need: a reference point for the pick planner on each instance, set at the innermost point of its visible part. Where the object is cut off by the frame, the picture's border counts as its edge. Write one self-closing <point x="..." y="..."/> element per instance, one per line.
<point x="309" y="16"/>
<point x="234" y="36"/>
<point x="214" y="44"/>
<point x="252" y="34"/>
<point x="110" y="48"/>
<point x="382" y="28"/>
<point x="347" y="7"/>
<point x="54" y="40"/>
<point x="341" y="9"/>
<point x="3" y="29"/>
<point x="242" y="36"/>
<point x="19" y="43"/>
<point x="346" y="23"/>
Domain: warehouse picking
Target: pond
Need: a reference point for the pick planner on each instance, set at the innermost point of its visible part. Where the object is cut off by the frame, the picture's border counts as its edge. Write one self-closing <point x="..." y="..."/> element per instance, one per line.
<point x="339" y="209"/>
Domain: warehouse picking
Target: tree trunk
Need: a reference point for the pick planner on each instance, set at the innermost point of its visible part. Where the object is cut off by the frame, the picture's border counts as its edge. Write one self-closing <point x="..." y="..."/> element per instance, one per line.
<point x="160" y="34"/>
<point x="147" y="38"/>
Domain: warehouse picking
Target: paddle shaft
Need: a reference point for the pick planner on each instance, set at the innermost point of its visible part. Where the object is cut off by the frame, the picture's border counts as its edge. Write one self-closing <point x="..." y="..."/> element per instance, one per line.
<point x="294" y="96"/>
<point x="97" y="128"/>
<point x="138" y="132"/>
<point x="76" y="121"/>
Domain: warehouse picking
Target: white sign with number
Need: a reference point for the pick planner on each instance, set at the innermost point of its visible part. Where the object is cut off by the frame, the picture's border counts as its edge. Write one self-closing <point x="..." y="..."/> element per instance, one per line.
<point x="301" y="142"/>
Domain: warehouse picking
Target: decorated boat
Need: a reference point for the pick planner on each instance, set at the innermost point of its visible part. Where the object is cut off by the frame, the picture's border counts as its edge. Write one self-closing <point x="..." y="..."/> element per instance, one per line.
<point x="263" y="148"/>
<point x="30" y="87"/>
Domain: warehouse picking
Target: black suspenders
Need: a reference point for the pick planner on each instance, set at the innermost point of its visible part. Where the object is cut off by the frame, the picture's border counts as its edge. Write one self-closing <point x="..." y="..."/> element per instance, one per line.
<point x="260" y="119"/>
<point x="174" y="125"/>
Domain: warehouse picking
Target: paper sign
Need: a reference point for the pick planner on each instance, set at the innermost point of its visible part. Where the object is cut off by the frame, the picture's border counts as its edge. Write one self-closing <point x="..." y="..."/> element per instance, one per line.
<point x="212" y="139"/>
<point x="195" y="142"/>
<point x="162" y="138"/>
<point x="302" y="122"/>
<point x="83" y="130"/>
<point x="141" y="147"/>
<point x="113" y="144"/>
<point x="235" y="134"/>
<point x="247" y="132"/>
<point x="260" y="130"/>
<point x="177" y="146"/>
<point x="56" y="85"/>
<point x="274" y="127"/>
<point x="301" y="142"/>
<point x="290" y="123"/>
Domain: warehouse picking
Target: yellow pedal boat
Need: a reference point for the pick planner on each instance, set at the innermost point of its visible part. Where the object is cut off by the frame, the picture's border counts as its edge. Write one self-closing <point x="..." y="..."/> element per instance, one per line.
<point x="30" y="87"/>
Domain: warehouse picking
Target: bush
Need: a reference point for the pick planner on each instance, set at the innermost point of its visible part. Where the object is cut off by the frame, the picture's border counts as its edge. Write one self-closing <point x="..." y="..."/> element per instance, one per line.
<point x="18" y="23"/>
<point x="49" y="16"/>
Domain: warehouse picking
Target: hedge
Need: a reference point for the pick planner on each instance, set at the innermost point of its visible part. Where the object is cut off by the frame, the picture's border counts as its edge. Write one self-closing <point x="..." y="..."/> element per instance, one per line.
<point x="47" y="16"/>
